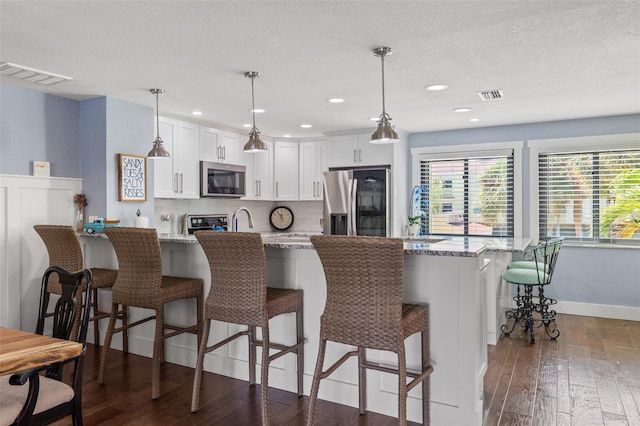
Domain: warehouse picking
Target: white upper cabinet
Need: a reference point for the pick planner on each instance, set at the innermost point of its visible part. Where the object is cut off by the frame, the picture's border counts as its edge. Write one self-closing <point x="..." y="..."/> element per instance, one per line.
<point x="355" y="150"/>
<point x="311" y="166"/>
<point x="219" y="146"/>
<point x="178" y="176"/>
<point x="229" y="144"/>
<point x="188" y="160"/>
<point x="259" y="175"/>
<point x="163" y="177"/>
<point x="285" y="166"/>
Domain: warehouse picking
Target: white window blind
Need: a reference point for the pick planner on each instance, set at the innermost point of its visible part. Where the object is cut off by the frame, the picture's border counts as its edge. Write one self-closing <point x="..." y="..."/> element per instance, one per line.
<point x="591" y="196"/>
<point x="468" y="195"/>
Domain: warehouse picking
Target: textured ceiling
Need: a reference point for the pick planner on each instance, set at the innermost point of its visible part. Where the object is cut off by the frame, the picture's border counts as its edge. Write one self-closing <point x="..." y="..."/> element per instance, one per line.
<point x="554" y="60"/>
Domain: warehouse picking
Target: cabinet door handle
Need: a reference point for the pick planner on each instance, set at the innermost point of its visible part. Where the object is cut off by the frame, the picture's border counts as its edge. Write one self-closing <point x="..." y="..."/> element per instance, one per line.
<point x="224" y="152"/>
<point x="181" y="183"/>
<point x="276" y="189"/>
<point x="175" y="183"/>
<point x="355" y="158"/>
<point x="218" y="154"/>
<point x="359" y="155"/>
<point x="314" y="188"/>
<point x="260" y="187"/>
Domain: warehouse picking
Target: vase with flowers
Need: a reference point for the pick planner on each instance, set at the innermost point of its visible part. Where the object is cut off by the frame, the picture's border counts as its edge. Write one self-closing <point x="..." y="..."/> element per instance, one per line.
<point x="80" y="200"/>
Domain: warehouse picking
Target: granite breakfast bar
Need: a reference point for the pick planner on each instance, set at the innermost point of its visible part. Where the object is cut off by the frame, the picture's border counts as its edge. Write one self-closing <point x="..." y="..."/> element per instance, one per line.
<point x="450" y="275"/>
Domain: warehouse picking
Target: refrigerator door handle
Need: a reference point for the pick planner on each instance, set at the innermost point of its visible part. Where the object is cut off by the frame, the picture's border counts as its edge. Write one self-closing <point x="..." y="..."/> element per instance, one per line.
<point x="352" y="219"/>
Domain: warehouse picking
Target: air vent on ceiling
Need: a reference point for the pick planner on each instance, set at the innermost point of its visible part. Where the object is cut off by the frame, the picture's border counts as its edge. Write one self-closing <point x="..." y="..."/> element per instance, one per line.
<point x="491" y="95"/>
<point x="31" y="74"/>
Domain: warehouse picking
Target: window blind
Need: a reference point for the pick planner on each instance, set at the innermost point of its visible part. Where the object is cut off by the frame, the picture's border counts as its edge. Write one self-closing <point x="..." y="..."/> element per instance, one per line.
<point x="468" y="195"/>
<point x="591" y="196"/>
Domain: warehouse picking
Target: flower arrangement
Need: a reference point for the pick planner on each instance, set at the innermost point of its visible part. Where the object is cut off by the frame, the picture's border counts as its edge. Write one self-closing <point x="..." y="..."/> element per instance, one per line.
<point x="80" y="200"/>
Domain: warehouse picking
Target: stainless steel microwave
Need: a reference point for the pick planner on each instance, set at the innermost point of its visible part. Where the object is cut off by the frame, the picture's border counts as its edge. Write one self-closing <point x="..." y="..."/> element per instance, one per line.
<point x="222" y="180"/>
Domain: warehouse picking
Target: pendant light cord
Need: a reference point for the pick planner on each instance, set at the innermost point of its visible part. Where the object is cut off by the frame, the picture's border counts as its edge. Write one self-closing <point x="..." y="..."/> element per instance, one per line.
<point x="253" y="105"/>
<point x="383" y="109"/>
<point x="158" y="117"/>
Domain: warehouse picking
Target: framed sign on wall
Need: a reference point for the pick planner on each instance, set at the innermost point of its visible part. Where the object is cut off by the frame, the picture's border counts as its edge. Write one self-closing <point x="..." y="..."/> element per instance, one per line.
<point x="132" y="177"/>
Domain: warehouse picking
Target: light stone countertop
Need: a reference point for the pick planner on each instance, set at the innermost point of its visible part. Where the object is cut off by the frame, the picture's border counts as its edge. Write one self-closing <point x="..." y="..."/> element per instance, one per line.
<point x="424" y="245"/>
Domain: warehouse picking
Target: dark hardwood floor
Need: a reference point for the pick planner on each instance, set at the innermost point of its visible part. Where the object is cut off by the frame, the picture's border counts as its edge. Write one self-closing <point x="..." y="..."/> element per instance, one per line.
<point x="589" y="376"/>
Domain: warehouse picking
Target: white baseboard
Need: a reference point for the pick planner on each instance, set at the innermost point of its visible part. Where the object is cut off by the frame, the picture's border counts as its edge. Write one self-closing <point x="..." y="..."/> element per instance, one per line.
<point x="597" y="310"/>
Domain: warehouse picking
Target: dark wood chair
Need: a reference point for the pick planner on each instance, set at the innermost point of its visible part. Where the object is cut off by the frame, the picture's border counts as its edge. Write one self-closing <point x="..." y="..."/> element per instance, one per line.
<point x="364" y="309"/>
<point x="535" y="271"/>
<point x="239" y="295"/>
<point x="48" y="398"/>
<point x="140" y="283"/>
<point x="65" y="251"/>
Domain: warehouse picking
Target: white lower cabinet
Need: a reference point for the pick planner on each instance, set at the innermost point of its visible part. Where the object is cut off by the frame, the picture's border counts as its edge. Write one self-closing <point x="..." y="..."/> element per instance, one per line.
<point x="285" y="166"/>
<point x="178" y="176"/>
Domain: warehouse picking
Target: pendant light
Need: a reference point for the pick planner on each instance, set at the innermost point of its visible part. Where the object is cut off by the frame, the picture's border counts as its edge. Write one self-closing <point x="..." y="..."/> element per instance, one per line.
<point x="254" y="144"/>
<point x="158" y="150"/>
<point x="384" y="133"/>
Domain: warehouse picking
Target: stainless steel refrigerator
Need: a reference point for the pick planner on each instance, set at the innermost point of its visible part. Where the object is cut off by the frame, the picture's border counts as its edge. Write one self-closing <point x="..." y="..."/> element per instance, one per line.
<point x="355" y="202"/>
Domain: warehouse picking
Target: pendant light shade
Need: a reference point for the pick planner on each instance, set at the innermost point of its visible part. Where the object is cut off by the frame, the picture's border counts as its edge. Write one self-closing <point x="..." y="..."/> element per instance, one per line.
<point x="384" y="133"/>
<point x="254" y="144"/>
<point x="158" y="150"/>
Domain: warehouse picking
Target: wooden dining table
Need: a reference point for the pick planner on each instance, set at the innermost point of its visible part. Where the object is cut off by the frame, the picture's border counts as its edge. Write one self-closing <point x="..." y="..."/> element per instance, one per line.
<point x="21" y="350"/>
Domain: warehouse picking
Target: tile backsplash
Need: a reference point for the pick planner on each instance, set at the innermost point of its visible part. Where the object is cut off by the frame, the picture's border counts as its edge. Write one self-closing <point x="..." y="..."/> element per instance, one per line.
<point x="307" y="214"/>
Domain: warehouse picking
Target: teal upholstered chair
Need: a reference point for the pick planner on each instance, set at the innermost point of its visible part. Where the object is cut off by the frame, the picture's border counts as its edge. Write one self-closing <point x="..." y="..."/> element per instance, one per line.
<point x="535" y="271"/>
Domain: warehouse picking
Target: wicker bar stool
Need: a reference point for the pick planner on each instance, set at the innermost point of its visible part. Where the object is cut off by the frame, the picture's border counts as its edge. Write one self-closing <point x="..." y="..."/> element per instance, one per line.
<point x="239" y="295"/>
<point x="140" y="283"/>
<point x="364" y="308"/>
<point x="65" y="251"/>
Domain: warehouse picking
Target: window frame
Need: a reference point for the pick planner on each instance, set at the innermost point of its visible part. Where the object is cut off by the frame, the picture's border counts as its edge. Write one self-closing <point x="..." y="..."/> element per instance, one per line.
<point x="562" y="145"/>
<point x="470" y="150"/>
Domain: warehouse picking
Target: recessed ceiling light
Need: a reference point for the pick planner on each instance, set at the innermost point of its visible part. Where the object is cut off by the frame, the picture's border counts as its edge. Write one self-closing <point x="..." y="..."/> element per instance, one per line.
<point x="197" y="113"/>
<point x="306" y="126"/>
<point x="336" y="100"/>
<point x="462" y="109"/>
<point x="474" y="119"/>
<point x="286" y="136"/>
<point x="246" y="125"/>
<point x="374" y="118"/>
<point x="436" y="87"/>
<point x="257" y="110"/>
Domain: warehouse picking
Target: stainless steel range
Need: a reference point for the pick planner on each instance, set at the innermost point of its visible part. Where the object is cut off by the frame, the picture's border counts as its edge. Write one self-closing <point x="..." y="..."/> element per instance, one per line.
<point x="216" y="222"/>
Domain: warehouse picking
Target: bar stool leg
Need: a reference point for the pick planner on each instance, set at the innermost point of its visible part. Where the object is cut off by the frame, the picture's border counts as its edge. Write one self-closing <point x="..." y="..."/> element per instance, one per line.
<point x="264" y="379"/>
<point x="300" y="351"/>
<point x="125" y="329"/>
<point x="200" y="319"/>
<point x="197" y="379"/>
<point x="252" y="354"/>
<point x="107" y="342"/>
<point x="402" y="387"/>
<point x="362" y="379"/>
<point x="158" y="343"/>
<point x="315" y="385"/>
<point x="94" y="304"/>
<point x="426" y="383"/>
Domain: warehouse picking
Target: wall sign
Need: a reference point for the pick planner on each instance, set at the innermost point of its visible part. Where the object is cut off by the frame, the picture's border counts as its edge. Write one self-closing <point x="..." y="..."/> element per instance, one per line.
<point x="132" y="177"/>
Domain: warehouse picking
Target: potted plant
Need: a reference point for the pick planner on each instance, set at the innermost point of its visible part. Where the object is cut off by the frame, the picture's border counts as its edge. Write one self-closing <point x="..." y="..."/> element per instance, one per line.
<point x="413" y="228"/>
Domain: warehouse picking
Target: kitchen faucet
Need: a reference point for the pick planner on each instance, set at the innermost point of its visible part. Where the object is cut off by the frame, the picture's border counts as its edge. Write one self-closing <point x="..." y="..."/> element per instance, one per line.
<point x="234" y="220"/>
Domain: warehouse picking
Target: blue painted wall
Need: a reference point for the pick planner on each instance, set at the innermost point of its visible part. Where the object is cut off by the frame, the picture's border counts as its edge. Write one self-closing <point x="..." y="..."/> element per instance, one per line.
<point x="80" y="139"/>
<point x="608" y="276"/>
<point x="36" y="126"/>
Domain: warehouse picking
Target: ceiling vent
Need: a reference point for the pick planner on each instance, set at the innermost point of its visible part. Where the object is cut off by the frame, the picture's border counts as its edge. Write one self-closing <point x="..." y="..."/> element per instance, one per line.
<point x="31" y="74"/>
<point x="491" y="95"/>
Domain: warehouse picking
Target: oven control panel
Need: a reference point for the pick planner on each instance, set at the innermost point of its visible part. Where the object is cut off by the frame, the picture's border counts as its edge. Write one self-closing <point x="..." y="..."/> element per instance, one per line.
<point x="216" y="222"/>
